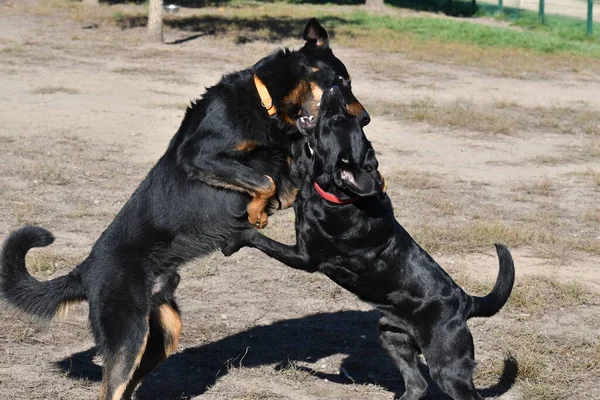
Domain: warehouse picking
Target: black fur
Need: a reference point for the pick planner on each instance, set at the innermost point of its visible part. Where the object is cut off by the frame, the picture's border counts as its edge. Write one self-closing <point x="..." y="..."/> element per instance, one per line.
<point x="364" y="249"/>
<point x="183" y="209"/>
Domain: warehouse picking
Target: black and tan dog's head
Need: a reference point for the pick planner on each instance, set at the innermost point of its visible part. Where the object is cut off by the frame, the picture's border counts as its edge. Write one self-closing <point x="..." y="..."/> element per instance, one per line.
<point x="343" y="160"/>
<point x="296" y="80"/>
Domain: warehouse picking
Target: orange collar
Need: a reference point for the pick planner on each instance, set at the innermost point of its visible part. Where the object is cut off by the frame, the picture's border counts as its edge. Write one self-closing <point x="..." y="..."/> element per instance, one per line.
<point x="265" y="98"/>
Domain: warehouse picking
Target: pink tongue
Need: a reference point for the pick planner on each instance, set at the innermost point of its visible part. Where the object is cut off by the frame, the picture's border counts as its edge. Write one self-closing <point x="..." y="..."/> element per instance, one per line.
<point x="347" y="176"/>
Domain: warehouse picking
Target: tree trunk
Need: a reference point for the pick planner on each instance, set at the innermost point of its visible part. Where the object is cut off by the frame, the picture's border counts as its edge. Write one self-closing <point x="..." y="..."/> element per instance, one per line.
<point x="155" y="20"/>
<point x="93" y="3"/>
<point x="375" y="5"/>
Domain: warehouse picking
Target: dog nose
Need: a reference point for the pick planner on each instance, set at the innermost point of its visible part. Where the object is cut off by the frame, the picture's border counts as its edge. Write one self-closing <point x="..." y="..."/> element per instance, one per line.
<point x="364" y="118"/>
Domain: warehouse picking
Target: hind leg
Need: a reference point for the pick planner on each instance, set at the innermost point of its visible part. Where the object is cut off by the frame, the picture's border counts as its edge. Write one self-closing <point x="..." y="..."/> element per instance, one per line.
<point x="451" y="361"/>
<point x="126" y="343"/>
<point x="403" y="351"/>
<point x="165" y="329"/>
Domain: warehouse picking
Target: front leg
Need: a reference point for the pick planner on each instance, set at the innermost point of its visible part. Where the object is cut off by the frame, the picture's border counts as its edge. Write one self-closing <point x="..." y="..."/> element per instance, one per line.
<point x="292" y="256"/>
<point x="224" y="171"/>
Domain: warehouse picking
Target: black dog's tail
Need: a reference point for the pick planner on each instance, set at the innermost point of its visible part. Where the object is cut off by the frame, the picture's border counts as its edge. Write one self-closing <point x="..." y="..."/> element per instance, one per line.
<point x="39" y="299"/>
<point x="495" y="300"/>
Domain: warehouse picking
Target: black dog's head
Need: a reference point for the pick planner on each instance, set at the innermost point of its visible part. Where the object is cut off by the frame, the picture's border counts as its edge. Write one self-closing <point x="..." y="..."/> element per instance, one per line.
<point x="343" y="160"/>
<point x="296" y="80"/>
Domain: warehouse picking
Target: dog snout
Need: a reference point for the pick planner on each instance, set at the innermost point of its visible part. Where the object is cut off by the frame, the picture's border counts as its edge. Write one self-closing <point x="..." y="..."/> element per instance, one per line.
<point x="364" y="118"/>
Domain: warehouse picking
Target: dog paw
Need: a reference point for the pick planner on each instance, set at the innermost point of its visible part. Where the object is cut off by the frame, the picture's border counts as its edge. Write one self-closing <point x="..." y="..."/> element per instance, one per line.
<point x="258" y="219"/>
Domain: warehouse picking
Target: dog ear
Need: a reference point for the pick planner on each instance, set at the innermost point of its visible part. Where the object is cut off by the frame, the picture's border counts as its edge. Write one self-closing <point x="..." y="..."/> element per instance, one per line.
<point x="315" y="33"/>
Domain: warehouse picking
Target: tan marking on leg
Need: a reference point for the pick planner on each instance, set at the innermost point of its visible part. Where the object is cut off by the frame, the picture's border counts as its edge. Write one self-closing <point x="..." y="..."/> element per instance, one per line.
<point x="120" y="365"/>
<point x="257" y="213"/>
<point x="138" y="357"/>
<point x="288" y="198"/>
<point x="247" y="145"/>
<point x="170" y="321"/>
<point x="118" y="395"/>
<point x="62" y="312"/>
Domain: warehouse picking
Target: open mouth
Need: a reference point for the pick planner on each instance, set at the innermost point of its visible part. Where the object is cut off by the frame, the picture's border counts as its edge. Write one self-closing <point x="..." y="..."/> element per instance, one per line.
<point x="307" y="122"/>
<point x="347" y="176"/>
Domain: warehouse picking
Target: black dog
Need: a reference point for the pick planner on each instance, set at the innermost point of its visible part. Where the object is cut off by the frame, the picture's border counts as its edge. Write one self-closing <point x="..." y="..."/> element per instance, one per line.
<point x="345" y="228"/>
<point x="240" y="136"/>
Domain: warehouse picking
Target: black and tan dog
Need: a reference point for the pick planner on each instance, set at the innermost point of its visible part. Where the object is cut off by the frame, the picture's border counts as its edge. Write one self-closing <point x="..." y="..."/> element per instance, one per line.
<point x="232" y="157"/>
<point x="345" y="228"/>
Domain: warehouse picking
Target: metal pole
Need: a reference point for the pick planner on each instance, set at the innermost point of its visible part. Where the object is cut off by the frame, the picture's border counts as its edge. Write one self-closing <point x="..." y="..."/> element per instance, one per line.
<point x="500" y="7"/>
<point x="590" y="19"/>
<point x="541" y="14"/>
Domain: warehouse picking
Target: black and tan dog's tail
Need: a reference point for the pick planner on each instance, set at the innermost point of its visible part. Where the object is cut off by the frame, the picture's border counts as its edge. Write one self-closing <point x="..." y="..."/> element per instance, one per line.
<point x="39" y="299"/>
<point x="492" y="303"/>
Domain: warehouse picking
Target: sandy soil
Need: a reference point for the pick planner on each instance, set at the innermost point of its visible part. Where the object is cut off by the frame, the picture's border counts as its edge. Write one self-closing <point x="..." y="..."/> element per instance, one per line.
<point x="84" y="113"/>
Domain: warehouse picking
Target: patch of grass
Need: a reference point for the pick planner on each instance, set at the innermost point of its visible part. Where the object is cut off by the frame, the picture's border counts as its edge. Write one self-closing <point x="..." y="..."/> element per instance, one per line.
<point x="509" y="119"/>
<point x="170" y="106"/>
<point x="13" y="50"/>
<point x="55" y="89"/>
<point x="45" y="262"/>
<point x="569" y="28"/>
<point x="537" y="294"/>
<point x="549" y="160"/>
<point x="478" y="236"/>
<point x="551" y="366"/>
<point x="162" y="74"/>
<point x="452" y="30"/>
<point x="47" y="173"/>
<point x="414" y="180"/>
<point x="591" y="176"/>
<point x="442" y="206"/>
<point x="543" y="187"/>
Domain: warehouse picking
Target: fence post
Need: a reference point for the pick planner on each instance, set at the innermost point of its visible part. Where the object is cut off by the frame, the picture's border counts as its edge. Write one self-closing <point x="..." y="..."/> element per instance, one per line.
<point x="500" y="7"/>
<point x="541" y="18"/>
<point x="590" y="19"/>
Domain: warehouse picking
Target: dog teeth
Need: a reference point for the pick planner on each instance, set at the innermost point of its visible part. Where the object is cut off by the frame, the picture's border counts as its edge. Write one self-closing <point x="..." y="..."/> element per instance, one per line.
<point x="345" y="161"/>
<point x="319" y="104"/>
<point x="311" y="118"/>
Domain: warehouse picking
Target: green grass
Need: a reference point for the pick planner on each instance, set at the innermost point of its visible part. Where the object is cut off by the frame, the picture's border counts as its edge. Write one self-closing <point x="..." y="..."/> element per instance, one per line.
<point x="560" y="36"/>
<point x="556" y="25"/>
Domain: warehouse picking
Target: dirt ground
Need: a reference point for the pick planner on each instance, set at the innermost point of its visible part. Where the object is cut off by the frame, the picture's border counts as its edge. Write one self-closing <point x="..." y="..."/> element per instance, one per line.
<point x="84" y="114"/>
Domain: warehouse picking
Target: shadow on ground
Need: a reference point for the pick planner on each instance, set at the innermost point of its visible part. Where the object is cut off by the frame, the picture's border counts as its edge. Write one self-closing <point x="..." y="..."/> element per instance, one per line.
<point x="243" y="29"/>
<point x="455" y="8"/>
<point x="307" y="339"/>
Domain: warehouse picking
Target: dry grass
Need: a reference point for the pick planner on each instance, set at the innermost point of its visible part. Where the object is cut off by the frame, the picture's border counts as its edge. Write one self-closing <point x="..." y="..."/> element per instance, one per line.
<point x="538" y="294"/>
<point x="46" y="262"/>
<point x="48" y="173"/>
<point x="543" y="187"/>
<point x="509" y="118"/>
<point x="551" y="366"/>
<point x="55" y="89"/>
<point x="414" y="180"/>
<point x="478" y="236"/>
